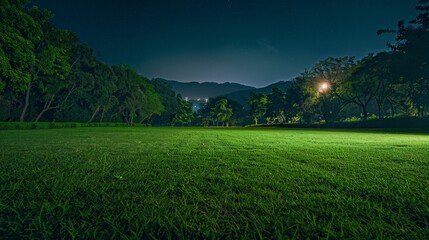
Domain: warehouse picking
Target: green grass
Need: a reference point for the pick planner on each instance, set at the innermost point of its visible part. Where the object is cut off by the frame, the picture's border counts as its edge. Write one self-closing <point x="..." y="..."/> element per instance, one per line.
<point x="168" y="183"/>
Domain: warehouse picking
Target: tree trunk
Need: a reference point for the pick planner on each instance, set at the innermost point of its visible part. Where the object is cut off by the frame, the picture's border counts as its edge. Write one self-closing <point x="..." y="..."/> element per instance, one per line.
<point x="42" y="112"/>
<point x="48" y="104"/>
<point x="46" y="108"/>
<point x="102" y="114"/>
<point x="94" y="114"/>
<point x="379" y="110"/>
<point x="27" y="102"/>
<point x="365" y="113"/>
<point x="127" y="120"/>
<point x="392" y="109"/>
<point x="418" y="109"/>
<point x="131" y="121"/>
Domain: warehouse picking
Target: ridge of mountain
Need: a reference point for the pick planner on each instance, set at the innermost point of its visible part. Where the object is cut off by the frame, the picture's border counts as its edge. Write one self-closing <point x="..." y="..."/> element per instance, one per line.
<point x="243" y="95"/>
<point x="234" y="91"/>
<point x="196" y="90"/>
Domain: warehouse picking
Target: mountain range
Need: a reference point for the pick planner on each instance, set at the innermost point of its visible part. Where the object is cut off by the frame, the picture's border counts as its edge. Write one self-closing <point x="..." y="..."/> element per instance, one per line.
<point x="243" y="95"/>
<point x="196" y="90"/>
<point x="234" y="91"/>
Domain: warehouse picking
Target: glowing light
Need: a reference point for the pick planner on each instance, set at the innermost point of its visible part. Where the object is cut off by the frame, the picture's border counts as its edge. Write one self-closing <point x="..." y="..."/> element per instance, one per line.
<point x="324" y="86"/>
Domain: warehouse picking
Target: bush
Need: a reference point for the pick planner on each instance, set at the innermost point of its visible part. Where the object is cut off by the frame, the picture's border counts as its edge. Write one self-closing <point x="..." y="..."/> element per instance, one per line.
<point x="6" y="126"/>
<point x="399" y="122"/>
<point x="53" y="125"/>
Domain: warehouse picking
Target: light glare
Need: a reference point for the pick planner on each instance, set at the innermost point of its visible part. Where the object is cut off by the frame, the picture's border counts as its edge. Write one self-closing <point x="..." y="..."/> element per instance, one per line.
<point x="324" y="86"/>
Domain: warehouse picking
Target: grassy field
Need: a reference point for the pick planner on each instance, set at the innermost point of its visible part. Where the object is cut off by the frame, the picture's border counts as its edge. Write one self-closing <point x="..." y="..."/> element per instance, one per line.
<point x="208" y="183"/>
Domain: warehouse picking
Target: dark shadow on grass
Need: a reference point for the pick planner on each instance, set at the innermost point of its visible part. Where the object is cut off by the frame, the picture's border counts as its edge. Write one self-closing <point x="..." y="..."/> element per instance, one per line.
<point x="414" y="131"/>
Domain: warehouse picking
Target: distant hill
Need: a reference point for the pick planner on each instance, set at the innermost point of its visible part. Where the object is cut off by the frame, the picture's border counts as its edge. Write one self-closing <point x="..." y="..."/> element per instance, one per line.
<point x="195" y="90"/>
<point x="242" y="96"/>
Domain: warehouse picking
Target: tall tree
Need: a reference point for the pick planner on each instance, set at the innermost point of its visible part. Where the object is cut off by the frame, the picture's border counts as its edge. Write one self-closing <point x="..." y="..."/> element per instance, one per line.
<point x="276" y="106"/>
<point x="331" y="72"/>
<point x="221" y="112"/>
<point x="168" y="99"/>
<point x="258" y="105"/>
<point x="102" y="97"/>
<point x="363" y="84"/>
<point x="152" y="104"/>
<point x="18" y="32"/>
<point x="412" y="52"/>
<point x="300" y="99"/>
<point x="54" y="85"/>
<point x="51" y="50"/>
<point x="184" y="114"/>
<point x="129" y="94"/>
<point x="387" y="93"/>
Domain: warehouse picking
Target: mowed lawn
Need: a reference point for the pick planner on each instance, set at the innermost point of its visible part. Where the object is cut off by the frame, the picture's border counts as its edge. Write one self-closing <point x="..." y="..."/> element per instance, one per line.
<point x="213" y="183"/>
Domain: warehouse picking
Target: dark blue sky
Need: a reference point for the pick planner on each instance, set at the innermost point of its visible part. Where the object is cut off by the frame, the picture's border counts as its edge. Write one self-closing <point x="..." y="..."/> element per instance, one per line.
<point x="254" y="42"/>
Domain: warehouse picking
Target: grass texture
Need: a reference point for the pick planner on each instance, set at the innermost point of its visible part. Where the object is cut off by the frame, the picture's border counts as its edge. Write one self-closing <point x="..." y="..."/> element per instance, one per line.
<point x="212" y="183"/>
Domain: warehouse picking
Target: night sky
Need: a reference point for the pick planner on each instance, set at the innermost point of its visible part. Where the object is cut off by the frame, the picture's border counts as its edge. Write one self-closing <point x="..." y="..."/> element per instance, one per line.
<point x="253" y="42"/>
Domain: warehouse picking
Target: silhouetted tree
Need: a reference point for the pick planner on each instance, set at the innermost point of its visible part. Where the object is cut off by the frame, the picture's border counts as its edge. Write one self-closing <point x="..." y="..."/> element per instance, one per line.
<point x="184" y="114"/>
<point x="276" y="106"/>
<point x="221" y="112"/>
<point x="168" y="99"/>
<point x="258" y="105"/>
<point x="412" y="54"/>
<point x="363" y="84"/>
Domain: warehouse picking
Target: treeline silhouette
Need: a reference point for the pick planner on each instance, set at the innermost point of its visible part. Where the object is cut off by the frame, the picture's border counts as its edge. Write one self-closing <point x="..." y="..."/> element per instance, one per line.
<point x="381" y="85"/>
<point x="46" y="75"/>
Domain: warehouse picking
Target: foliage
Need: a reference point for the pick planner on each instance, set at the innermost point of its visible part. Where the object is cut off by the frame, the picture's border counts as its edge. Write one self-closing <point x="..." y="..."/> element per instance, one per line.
<point x="363" y="84"/>
<point x="53" y="125"/>
<point x="221" y="112"/>
<point x="411" y="53"/>
<point x="184" y="114"/>
<point x="168" y="99"/>
<point x="276" y="106"/>
<point x="258" y="105"/>
<point x="46" y="75"/>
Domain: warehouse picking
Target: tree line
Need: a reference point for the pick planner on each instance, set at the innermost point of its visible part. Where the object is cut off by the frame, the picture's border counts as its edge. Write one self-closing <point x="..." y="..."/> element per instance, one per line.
<point x="46" y="75"/>
<point x="386" y="84"/>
